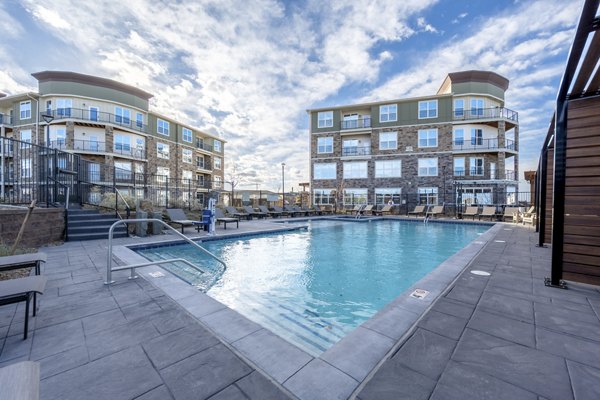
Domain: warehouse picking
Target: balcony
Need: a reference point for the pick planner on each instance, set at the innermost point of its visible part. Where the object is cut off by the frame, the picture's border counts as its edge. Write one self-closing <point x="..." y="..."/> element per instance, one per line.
<point x="486" y="113"/>
<point x="203" y="146"/>
<point x="99" y="147"/>
<point x="356" y="151"/>
<point x="480" y="174"/>
<point x="203" y="164"/>
<point x="6" y="119"/>
<point x="356" y="123"/>
<point x="203" y="184"/>
<point x="482" y="144"/>
<point x="95" y="117"/>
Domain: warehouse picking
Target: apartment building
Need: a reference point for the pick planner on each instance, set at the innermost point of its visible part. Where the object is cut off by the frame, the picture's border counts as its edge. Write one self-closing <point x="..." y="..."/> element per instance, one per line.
<point x="458" y="146"/>
<point x="108" y="123"/>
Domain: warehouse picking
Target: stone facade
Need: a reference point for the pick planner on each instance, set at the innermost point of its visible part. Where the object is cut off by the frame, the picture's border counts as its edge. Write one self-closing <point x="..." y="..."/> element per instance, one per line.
<point x="44" y="226"/>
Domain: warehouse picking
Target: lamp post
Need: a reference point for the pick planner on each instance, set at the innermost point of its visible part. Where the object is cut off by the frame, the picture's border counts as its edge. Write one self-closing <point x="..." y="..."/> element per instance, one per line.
<point x="283" y="184"/>
<point x="48" y="118"/>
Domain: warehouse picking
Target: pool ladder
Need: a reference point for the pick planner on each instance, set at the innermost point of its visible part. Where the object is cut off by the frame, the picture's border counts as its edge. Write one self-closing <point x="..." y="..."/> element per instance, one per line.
<point x="132" y="267"/>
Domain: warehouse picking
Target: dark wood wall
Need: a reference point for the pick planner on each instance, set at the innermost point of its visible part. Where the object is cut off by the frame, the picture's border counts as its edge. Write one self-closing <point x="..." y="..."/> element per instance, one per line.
<point x="581" y="260"/>
<point x="549" y="193"/>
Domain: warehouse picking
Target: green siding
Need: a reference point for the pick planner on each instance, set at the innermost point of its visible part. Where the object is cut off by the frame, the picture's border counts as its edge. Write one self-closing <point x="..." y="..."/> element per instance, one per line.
<point x="314" y="121"/>
<point x="80" y="89"/>
<point x="17" y="113"/>
<point x="477" y="87"/>
<point x="152" y="125"/>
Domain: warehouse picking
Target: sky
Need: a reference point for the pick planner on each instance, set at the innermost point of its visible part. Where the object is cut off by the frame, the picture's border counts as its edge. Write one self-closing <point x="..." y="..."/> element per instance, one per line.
<point x="247" y="70"/>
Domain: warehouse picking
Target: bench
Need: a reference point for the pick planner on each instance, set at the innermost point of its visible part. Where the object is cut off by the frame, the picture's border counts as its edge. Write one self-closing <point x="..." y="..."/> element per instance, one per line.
<point x="20" y="381"/>
<point x="22" y="289"/>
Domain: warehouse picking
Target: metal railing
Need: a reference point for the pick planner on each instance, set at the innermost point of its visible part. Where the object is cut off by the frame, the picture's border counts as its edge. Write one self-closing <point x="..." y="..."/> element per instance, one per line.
<point x="485" y="113"/>
<point x="201" y="145"/>
<point x="94" y="146"/>
<point x="6" y="119"/>
<point x="356" y="151"/>
<point x="95" y="116"/>
<point x="482" y="144"/>
<point x="481" y="173"/>
<point x="132" y="267"/>
<point x="356" y="123"/>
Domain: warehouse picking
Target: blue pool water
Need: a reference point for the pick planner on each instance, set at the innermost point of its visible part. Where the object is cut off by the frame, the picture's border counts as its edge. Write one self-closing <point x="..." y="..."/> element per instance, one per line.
<point x="314" y="286"/>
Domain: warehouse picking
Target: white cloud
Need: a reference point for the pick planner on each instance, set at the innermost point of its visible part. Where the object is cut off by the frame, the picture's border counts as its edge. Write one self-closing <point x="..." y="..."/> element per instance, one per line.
<point x="50" y="16"/>
<point x="421" y="23"/>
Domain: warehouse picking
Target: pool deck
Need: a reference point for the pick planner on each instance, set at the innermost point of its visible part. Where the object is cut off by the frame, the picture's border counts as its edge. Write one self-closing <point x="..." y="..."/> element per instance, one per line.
<point x="502" y="336"/>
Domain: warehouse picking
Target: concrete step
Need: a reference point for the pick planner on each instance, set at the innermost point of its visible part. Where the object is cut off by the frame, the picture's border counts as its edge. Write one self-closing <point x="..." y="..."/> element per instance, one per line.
<point x="93" y="236"/>
<point x="92" y="222"/>
<point x="94" y="229"/>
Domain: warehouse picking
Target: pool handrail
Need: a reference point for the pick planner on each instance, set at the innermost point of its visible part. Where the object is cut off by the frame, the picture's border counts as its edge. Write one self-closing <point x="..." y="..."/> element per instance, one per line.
<point x="132" y="267"/>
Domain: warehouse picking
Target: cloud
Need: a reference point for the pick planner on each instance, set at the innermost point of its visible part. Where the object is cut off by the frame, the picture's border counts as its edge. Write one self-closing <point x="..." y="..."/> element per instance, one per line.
<point x="50" y="17"/>
<point x="421" y="23"/>
<point x="459" y="17"/>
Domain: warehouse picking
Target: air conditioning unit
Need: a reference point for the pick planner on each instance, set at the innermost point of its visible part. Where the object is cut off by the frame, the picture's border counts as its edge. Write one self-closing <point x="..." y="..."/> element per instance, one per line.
<point x="409" y="148"/>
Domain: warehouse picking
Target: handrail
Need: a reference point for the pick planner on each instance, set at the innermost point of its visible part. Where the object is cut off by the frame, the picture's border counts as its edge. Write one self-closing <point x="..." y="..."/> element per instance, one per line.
<point x="109" y="267"/>
<point x="127" y="208"/>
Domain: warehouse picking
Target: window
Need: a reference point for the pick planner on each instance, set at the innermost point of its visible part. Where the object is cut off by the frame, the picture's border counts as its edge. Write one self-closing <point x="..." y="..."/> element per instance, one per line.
<point x="200" y="161"/>
<point x="323" y="196"/>
<point x="162" y="150"/>
<point x="511" y="195"/>
<point x="26" y="137"/>
<point x="428" y="109"/>
<point x="459" y="108"/>
<point x="324" y="145"/>
<point x="351" y="147"/>
<point x="388" y="113"/>
<point x="94" y="113"/>
<point x="388" y="140"/>
<point x="49" y="107"/>
<point x="218" y="182"/>
<point x="217" y="145"/>
<point x="139" y="168"/>
<point x="350" y="121"/>
<point x="475" y="196"/>
<point x="459" y="137"/>
<point x="123" y="170"/>
<point x="428" y="167"/>
<point x="355" y="170"/>
<point x="58" y="137"/>
<point x="122" y="115"/>
<point x="162" y="127"/>
<point x="139" y="120"/>
<point x="122" y="144"/>
<point x="163" y="171"/>
<point x="388" y="169"/>
<point x="325" y="119"/>
<point x="476" y="137"/>
<point x="428" y="137"/>
<point x="186" y="176"/>
<point x="428" y="196"/>
<point x="25" y="110"/>
<point x="94" y="173"/>
<point x="476" y="165"/>
<point x="26" y="168"/>
<point x="217" y="162"/>
<point x="477" y="107"/>
<point x="324" y="171"/>
<point x="186" y="135"/>
<point x="459" y="166"/>
<point x="384" y="195"/>
<point x="187" y="156"/>
<point x="355" y="196"/>
<point x="139" y="147"/>
<point x="63" y="107"/>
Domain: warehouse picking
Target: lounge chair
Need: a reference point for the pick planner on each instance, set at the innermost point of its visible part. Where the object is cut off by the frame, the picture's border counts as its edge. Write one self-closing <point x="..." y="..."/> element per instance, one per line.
<point x="300" y="211"/>
<point x="367" y="209"/>
<point x="387" y="209"/>
<point x="20" y="381"/>
<point x="471" y="212"/>
<point x="233" y="212"/>
<point x="220" y="217"/>
<point x="325" y="209"/>
<point x="529" y="216"/>
<point x="435" y="211"/>
<point x="8" y="263"/>
<point x="282" y="211"/>
<point x="177" y="216"/>
<point x="290" y="210"/>
<point x="22" y="289"/>
<point x="487" y="212"/>
<point x="512" y="213"/>
<point x="418" y="211"/>
<point x="353" y="210"/>
<point x="308" y="211"/>
<point x="273" y="214"/>
<point x="253" y="213"/>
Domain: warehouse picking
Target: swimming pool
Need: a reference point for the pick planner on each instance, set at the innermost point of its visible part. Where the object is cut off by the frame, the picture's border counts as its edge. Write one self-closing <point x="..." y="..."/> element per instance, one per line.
<point x="314" y="286"/>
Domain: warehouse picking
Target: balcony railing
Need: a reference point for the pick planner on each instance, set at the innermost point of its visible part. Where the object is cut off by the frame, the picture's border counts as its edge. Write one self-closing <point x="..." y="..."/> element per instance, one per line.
<point x="100" y="147"/>
<point x="356" y="123"/>
<point x="356" y="151"/>
<point x="203" y="165"/>
<point x="482" y="144"/>
<point x="95" y="116"/>
<point x="486" y="113"/>
<point x="203" y="146"/>
<point x="202" y="183"/>
<point x="479" y="173"/>
<point x="5" y="119"/>
<point x="89" y="145"/>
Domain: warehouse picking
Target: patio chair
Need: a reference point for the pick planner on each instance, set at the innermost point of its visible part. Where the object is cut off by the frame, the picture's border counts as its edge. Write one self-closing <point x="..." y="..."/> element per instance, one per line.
<point x="417" y="211"/>
<point x="529" y="216"/>
<point x="220" y="217"/>
<point x="177" y="216"/>
<point x="20" y="381"/>
<point x="233" y="212"/>
<point x="308" y="211"/>
<point x="300" y="211"/>
<point x="252" y="213"/>
<point x="387" y="209"/>
<point x="22" y="289"/>
<point x="290" y="210"/>
<point x="282" y="211"/>
<point x="273" y="214"/>
<point x="471" y="211"/>
<point x="487" y="212"/>
<point x="353" y="210"/>
<point x="435" y="211"/>
<point x="368" y="209"/>
<point x="317" y="210"/>
<point x="512" y="213"/>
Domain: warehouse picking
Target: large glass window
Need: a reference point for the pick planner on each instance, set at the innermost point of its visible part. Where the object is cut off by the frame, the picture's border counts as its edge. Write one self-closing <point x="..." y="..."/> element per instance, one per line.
<point x="187" y="156"/>
<point x="388" y="140"/>
<point x="217" y="162"/>
<point x="324" y="145"/>
<point x="428" y="196"/>
<point x="388" y="169"/>
<point x="511" y="195"/>
<point x="122" y="115"/>
<point x="25" y="110"/>
<point x="218" y="181"/>
<point x="63" y="107"/>
<point x="476" y="137"/>
<point x="217" y="145"/>
<point x="162" y="150"/>
<point x="476" y="166"/>
<point x="459" y="108"/>
<point x="324" y="171"/>
<point x="186" y="135"/>
<point x="26" y="168"/>
<point x="477" y="107"/>
<point x="388" y="112"/>
<point x="459" y="137"/>
<point x="26" y="137"/>
<point x="323" y="196"/>
<point x="123" y="170"/>
<point x="186" y="176"/>
<point x="162" y="127"/>
<point x="355" y="170"/>
<point x="428" y="137"/>
<point x="58" y="138"/>
<point x="353" y="197"/>
<point x="471" y="196"/>
<point x="139" y="120"/>
<point x="428" y="109"/>
<point x="384" y="195"/>
<point x="459" y="166"/>
<point x="325" y="119"/>
<point x="122" y="144"/>
<point x="428" y="166"/>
